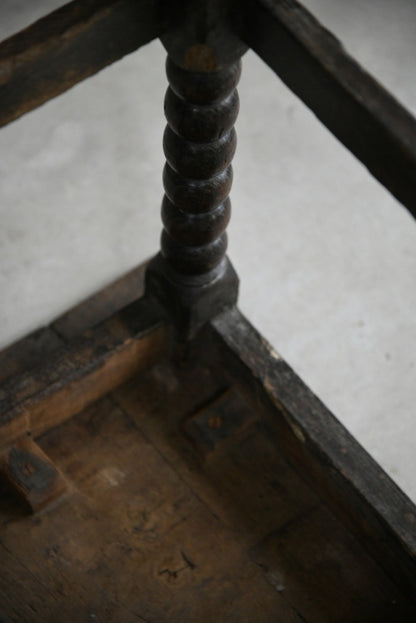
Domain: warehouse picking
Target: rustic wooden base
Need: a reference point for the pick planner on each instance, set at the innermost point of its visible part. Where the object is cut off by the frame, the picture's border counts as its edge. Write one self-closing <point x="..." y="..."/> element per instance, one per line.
<point x="196" y="488"/>
<point x="64" y="368"/>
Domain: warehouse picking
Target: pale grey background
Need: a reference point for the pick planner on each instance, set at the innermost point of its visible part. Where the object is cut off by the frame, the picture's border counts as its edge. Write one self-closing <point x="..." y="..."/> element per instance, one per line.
<point x="326" y="256"/>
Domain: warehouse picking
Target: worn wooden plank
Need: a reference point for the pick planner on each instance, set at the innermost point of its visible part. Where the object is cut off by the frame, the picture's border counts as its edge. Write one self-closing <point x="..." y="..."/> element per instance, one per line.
<point x="31" y="474"/>
<point x="325" y="454"/>
<point x="83" y="371"/>
<point x="28" y="352"/>
<point x="188" y="393"/>
<point x="157" y="531"/>
<point x="248" y="483"/>
<point x="36" y="348"/>
<point x="349" y="102"/>
<point x="15" y="580"/>
<point x="136" y="542"/>
<point x="102" y="304"/>
<point x="70" y="44"/>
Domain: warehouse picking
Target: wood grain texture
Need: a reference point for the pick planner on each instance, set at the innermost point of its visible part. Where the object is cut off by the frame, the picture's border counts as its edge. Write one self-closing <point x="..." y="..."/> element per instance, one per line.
<point x="199" y="143"/>
<point x="156" y="531"/>
<point x="83" y="371"/>
<point x="191" y="276"/>
<point x="102" y="304"/>
<point x="369" y="121"/>
<point x="31" y="474"/>
<point x="326" y="455"/>
<point x="34" y="349"/>
<point x="28" y="352"/>
<point x="69" y="45"/>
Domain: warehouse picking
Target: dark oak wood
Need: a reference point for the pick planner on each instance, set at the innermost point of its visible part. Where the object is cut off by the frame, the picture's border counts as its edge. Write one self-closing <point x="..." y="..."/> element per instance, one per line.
<point x="155" y="530"/>
<point x="80" y="373"/>
<point x="35" y="349"/>
<point x="199" y="144"/>
<point x="69" y="45"/>
<point x="31" y="474"/>
<point x="201" y="489"/>
<point x="349" y="102"/>
<point x="60" y="369"/>
<point x="323" y="451"/>
<point x="204" y="34"/>
<point x="28" y="352"/>
<point x="191" y="276"/>
<point x="101" y="305"/>
<point x="226" y="417"/>
<point x="196" y="491"/>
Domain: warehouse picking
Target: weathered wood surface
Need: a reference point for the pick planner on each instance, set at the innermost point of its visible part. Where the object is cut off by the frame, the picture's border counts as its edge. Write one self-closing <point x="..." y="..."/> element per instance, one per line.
<point x="199" y="144"/>
<point x="180" y="507"/>
<point x="102" y="304"/>
<point x="348" y="101"/>
<point x="81" y="38"/>
<point x="326" y="455"/>
<point x="31" y="474"/>
<point x="55" y="372"/>
<point x="28" y="352"/>
<point x="77" y="374"/>
<point x="69" y="45"/>
<point x="191" y="275"/>
<point x="35" y="349"/>
<point x="155" y="530"/>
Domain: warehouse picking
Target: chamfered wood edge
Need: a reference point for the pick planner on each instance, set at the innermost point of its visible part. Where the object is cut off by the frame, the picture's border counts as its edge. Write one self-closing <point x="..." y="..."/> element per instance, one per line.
<point x="369" y="121"/>
<point x="79" y="373"/>
<point x="325" y="454"/>
<point x="69" y="45"/>
<point x="102" y="304"/>
<point x="31" y="474"/>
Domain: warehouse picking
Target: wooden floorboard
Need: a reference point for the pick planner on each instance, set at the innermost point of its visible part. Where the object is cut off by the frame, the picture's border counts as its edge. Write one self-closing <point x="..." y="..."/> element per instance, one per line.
<point x="156" y="527"/>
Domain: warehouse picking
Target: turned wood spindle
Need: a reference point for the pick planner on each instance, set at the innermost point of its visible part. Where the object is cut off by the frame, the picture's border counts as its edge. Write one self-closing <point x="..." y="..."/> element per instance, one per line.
<point x="199" y="144"/>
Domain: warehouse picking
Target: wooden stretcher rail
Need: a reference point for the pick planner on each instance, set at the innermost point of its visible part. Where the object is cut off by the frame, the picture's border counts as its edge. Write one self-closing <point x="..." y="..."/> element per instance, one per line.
<point x="326" y="455"/>
<point x="81" y="372"/>
<point x="348" y="101"/>
<point x="69" y="45"/>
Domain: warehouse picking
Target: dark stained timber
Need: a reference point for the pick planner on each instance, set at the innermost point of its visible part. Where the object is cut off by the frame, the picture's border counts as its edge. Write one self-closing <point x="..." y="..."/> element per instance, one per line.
<point x="199" y="477"/>
<point x="195" y="491"/>
<point x="192" y="275"/>
<point x="178" y="508"/>
<point x="199" y="144"/>
<point x="322" y="450"/>
<point x="82" y="371"/>
<point x="348" y="101"/>
<point x="69" y="45"/>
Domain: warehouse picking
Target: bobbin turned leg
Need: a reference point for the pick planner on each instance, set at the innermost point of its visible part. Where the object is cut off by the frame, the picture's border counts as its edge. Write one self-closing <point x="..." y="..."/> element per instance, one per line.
<point x="192" y="275"/>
